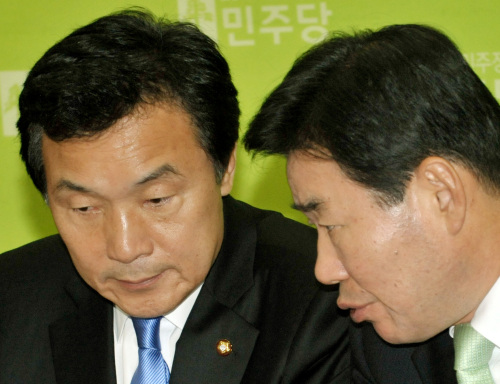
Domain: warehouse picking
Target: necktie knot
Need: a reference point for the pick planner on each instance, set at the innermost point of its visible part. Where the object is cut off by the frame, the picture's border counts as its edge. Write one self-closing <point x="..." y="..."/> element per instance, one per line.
<point x="472" y="355"/>
<point x="148" y="332"/>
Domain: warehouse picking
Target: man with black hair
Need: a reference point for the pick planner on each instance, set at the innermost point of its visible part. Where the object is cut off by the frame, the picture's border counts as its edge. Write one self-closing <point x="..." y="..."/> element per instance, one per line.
<point x="392" y="146"/>
<point x="128" y="128"/>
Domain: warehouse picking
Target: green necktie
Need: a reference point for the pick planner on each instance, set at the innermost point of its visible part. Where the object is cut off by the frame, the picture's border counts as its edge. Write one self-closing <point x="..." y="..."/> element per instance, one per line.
<point x="472" y="354"/>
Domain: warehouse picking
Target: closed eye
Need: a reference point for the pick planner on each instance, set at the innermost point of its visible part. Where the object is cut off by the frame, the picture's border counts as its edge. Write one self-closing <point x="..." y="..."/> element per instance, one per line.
<point x="87" y="209"/>
<point x="159" y="201"/>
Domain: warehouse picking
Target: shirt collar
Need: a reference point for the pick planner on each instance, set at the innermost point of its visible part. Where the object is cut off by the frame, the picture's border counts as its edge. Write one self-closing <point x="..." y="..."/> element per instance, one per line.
<point x="178" y="316"/>
<point x="487" y="316"/>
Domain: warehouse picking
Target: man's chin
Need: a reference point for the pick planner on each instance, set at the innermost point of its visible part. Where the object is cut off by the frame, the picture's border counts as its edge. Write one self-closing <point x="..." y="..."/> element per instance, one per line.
<point x="141" y="311"/>
<point x="393" y="335"/>
<point x="389" y="333"/>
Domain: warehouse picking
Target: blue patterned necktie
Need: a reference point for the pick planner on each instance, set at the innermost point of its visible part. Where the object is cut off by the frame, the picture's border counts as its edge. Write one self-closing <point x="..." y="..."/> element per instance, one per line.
<point x="472" y="354"/>
<point x="152" y="369"/>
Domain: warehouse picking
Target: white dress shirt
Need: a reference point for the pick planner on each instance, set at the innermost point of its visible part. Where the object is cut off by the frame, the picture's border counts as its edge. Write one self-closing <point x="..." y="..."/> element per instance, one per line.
<point x="486" y="321"/>
<point x="126" y="349"/>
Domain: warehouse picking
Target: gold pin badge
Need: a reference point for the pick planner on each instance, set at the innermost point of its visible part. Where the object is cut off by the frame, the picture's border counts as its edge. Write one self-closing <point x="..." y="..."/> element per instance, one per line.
<point x="224" y="347"/>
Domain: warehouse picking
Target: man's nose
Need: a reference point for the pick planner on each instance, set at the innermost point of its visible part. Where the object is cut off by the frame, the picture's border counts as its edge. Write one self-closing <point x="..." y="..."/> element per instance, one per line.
<point x="329" y="269"/>
<point x="127" y="236"/>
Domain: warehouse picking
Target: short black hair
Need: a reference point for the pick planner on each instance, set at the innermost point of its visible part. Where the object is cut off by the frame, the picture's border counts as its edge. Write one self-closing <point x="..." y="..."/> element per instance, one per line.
<point x="378" y="103"/>
<point x="105" y="70"/>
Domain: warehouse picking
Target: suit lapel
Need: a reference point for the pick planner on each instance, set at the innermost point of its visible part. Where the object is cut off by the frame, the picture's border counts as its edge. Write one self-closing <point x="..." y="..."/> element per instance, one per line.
<point x="196" y="357"/>
<point x="215" y="316"/>
<point x="82" y="343"/>
<point x="434" y="360"/>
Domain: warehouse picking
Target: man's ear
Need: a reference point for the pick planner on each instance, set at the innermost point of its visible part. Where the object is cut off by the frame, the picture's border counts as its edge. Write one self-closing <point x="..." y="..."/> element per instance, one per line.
<point x="228" y="178"/>
<point x="438" y="182"/>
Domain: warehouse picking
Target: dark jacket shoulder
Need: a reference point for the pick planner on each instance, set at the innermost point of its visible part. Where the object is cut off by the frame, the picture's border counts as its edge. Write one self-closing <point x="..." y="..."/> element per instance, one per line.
<point x="376" y="361"/>
<point x="32" y="297"/>
<point x="38" y="269"/>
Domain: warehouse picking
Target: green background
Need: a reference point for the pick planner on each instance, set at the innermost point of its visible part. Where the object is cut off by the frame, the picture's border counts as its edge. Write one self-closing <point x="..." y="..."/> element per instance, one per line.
<point x="28" y="28"/>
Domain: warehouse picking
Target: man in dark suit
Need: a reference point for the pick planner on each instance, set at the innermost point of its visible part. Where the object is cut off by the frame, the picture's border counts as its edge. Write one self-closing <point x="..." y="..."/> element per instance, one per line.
<point x="128" y="128"/>
<point x="392" y="146"/>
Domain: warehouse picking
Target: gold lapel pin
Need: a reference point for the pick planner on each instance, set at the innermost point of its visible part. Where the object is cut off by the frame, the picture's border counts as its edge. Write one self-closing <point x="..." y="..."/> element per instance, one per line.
<point x="224" y="347"/>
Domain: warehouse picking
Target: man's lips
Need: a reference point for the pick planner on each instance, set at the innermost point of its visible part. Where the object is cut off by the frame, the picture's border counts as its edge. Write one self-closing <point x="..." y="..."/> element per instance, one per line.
<point x="141" y="283"/>
<point x="356" y="311"/>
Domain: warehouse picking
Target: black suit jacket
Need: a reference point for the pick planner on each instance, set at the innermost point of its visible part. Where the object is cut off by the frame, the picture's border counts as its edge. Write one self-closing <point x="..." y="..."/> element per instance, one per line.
<point x="375" y="361"/>
<point x="260" y="294"/>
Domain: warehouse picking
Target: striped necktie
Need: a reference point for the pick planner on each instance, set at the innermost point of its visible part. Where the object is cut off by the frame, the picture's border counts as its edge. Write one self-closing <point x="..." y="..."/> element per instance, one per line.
<point x="152" y="369"/>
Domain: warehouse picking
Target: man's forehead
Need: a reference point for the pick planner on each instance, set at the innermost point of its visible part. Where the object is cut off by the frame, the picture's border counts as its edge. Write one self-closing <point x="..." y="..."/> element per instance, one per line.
<point x="309" y="158"/>
<point x="302" y="165"/>
<point x="159" y="145"/>
<point x="319" y="183"/>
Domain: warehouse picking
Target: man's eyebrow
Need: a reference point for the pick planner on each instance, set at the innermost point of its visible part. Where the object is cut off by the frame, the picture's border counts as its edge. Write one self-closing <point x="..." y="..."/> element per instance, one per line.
<point x="66" y="184"/>
<point x="159" y="172"/>
<point x="310" y="206"/>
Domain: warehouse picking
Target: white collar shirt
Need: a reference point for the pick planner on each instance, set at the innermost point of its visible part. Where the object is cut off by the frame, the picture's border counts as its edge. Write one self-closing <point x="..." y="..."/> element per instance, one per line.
<point x="125" y="339"/>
